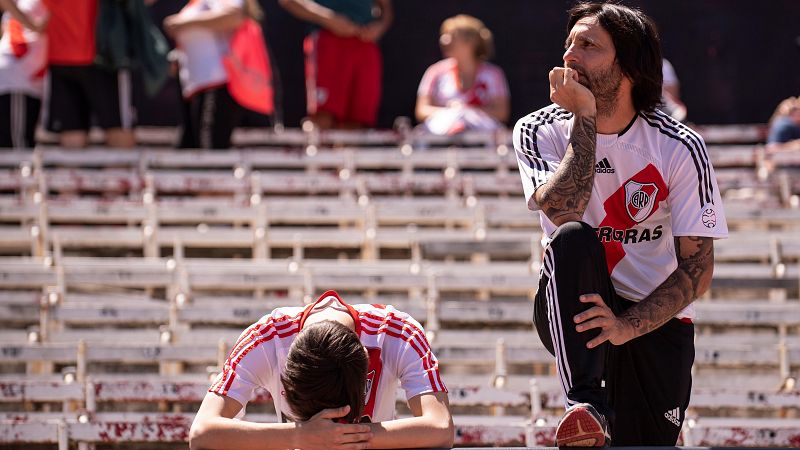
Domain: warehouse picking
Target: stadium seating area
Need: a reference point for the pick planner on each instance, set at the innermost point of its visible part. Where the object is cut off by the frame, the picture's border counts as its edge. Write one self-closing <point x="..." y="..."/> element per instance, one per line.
<point x="125" y="277"/>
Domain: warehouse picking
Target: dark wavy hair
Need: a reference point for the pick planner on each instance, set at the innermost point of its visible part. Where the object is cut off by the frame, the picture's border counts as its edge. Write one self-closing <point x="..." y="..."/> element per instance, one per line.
<point x="637" y="45"/>
<point x="326" y="368"/>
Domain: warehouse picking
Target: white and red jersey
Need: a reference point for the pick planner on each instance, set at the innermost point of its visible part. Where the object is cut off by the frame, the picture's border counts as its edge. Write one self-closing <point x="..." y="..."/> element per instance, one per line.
<point x="399" y="355"/>
<point x="23" y="52"/>
<point x="201" y="49"/>
<point x="442" y="86"/>
<point x="653" y="181"/>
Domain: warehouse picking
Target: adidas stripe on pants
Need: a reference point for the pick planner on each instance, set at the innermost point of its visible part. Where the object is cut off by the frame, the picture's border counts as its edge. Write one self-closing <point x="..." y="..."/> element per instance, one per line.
<point x="643" y="386"/>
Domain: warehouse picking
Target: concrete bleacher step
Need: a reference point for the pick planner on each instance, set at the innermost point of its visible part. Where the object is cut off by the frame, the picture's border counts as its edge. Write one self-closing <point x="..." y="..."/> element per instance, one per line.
<point x="125" y="182"/>
<point x="174" y="427"/>
<point x="371" y="157"/>
<point x="19" y="306"/>
<point x="491" y="213"/>
<point x="448" y="355"/>
<point x="26" y="272"/>
<point x="110" y="308"/>
<point x="470" y="430"/>
<point x="753" y="275"/>
<point x="130" y="182"/>
<point x="753" y="312"/>
<point x="102" y="427"/>
<point x="435" y="243"/>
<point x="43" y="428"/>
<point x="153" y="389"/>
<point x="166" y="136"/>
<point x="365" y="154"/>
<point x="496" y="276"/>
<point x="745" y="432"/>
<point x="126" y="354"/>
<point x="192" y="388"/>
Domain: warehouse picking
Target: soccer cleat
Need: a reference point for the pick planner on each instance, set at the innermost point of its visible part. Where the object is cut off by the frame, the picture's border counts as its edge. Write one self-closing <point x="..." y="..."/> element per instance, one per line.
<point x="582" y="426"/>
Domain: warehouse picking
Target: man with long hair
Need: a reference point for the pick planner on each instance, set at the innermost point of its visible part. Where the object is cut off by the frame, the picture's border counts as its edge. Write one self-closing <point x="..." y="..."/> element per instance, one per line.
<point x="333" y="370"/>
<point x="631" y="207"/>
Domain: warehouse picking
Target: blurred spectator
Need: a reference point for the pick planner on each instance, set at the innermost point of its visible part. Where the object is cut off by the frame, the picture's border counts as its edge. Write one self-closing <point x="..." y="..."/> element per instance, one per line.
<point x="78" y="89"/>
<point x="463" y="91"/>
<point x="343" y="60"/>
<point x="671" y="92"/>
<point x="203" y="31"/>
<point x="187" y="135"/>
<point x="23" y="57"/>
<point x="784" y="126"/>
<point x="127" y="39"/>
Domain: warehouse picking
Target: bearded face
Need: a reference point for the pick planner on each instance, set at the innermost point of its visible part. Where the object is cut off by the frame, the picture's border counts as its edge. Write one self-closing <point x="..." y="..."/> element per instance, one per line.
<point x="603" y="82"/>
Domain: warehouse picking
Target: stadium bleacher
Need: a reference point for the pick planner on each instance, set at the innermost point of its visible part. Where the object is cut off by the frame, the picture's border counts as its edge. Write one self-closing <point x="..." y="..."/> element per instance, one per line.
<point x="125" y="276"/>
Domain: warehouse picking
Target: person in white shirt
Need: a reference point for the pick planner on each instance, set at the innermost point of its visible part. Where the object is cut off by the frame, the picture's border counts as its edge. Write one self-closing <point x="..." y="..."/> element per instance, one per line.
<point x="333" y="371"/>
<point x="671" y="93"/>
<point x="202" y="31"/>
<point x="23" y="61"/>
<point x="464" y="91"/>
<point x="630" y="206"/>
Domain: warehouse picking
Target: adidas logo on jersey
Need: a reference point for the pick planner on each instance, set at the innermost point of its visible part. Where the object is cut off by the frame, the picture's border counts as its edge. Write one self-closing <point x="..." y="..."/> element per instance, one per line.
<point x="603" y="166"/>
<point x="674" y="416"/>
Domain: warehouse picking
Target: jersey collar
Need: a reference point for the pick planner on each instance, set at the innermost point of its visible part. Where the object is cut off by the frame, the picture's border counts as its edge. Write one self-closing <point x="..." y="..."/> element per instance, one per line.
<point x="352" y="311"/>
<point x="628" y="127"/>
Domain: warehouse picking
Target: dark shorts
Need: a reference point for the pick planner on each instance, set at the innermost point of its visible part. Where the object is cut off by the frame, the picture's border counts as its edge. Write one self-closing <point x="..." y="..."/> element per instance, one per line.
<point x="77" y="94"/>
<point x="19" y="114"/>
<point x="212" y="117"/>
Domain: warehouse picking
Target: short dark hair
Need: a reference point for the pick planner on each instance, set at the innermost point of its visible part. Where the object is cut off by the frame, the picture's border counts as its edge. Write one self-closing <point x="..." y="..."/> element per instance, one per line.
<point x="637" y="45"/>
<point x="326" y="368"/>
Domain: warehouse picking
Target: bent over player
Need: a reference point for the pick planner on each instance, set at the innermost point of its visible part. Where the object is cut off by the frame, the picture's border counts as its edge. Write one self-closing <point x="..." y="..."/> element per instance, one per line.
<point x="631" y="207"/>
<point x="333" y="370"/>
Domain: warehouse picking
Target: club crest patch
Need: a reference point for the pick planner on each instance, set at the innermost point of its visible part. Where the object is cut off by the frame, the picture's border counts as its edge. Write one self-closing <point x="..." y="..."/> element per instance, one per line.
<point x="368" y="387"/>
<point x="639" y="199"/>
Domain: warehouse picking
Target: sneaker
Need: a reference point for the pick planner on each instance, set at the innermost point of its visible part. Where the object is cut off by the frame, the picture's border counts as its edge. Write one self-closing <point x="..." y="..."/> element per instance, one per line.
<point x="582" y="426"/>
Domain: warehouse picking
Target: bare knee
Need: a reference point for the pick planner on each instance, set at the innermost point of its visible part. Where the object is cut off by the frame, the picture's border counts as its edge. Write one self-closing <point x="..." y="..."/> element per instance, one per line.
<point x="73" y="139"/>
<point x="120" y="138"/>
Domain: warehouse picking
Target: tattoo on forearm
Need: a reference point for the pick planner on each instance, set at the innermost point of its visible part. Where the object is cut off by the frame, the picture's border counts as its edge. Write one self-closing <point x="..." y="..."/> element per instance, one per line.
<point x="690" y="280"/>
<point x="569" y="190"/>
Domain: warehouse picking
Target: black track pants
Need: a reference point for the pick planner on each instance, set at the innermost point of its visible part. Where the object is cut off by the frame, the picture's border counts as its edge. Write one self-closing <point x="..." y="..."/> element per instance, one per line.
<point x="642" y="386"/>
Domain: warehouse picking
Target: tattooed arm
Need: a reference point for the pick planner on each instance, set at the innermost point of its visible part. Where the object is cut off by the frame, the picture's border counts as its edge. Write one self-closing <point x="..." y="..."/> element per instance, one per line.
<point x="690" y="280"/>
<point x="565" y="196"/>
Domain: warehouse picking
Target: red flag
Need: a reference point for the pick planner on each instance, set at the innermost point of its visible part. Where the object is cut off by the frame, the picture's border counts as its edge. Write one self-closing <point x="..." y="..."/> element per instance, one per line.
<point x="248" y="69"/>
<point x="15" y="33"/>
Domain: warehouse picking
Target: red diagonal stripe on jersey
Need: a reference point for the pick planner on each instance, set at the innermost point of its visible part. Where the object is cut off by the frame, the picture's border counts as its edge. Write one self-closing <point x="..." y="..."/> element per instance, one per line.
<point x="416" y="339"/>
<point x="374" y="371"/>
<point x="617" y="216"/>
